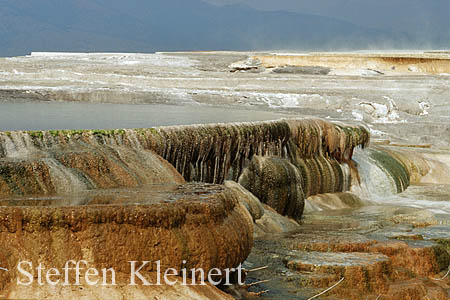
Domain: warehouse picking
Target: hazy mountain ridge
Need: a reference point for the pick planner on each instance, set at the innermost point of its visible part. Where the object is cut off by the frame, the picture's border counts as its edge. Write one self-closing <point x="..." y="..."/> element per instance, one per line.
<point x="146" y="26"/>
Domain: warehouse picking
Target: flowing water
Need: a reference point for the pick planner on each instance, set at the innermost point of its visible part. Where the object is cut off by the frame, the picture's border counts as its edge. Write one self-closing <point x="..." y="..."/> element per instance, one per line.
<point x="399" y="185"/>
<point x="378" y="185"/>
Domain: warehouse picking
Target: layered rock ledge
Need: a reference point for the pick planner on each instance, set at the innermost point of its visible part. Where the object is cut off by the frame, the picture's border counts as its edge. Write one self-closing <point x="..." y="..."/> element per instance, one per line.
<point x="112" y="196"/>
<point x="195" y="226"/>
<point x="258" y="155"/>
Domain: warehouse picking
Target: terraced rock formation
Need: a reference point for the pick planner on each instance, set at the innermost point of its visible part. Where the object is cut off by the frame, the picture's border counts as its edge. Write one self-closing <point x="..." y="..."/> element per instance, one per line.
<point x="113" y="196"/>
<point x="351" y="197"/>
<point x="182" y="226"/>
<point x="316" y="151"/>
<point x="65" y="191"/>
<point x="372" y="252"/>
<point x="424" y="63"/>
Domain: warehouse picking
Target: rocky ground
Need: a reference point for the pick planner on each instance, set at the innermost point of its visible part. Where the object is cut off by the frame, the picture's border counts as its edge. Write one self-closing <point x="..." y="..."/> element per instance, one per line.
<point x="386" y="251"/>
<point x="378" y="253"/>
<point x="405" y="104"/>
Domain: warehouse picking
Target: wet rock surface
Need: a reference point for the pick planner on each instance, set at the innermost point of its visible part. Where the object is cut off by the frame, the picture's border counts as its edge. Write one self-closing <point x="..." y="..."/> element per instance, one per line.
<point x="251" y="203"/>
<point x="263" y="156"/>
<point x="382" y="252"/>
<point x="77" y="168"/>
<point x="213" y="225"/>
<point x="331" y="201"/>
<point x="277" y="183"/>
<point x="166" y="292"/>
<point x="375" y="253"/>
<point x="201" y="224"/>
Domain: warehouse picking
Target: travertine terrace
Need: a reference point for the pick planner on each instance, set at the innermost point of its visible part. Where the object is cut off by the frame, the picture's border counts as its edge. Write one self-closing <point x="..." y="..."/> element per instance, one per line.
<point x="307" y="195"/>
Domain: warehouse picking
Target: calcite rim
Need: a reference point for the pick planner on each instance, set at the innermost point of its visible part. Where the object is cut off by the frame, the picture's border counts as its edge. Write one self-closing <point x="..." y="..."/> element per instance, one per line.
<point x="186" y="210"/>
